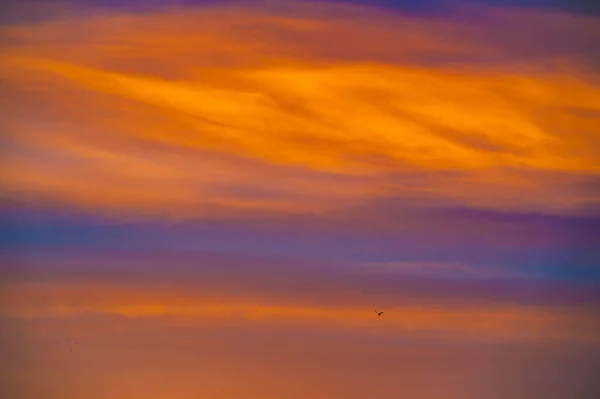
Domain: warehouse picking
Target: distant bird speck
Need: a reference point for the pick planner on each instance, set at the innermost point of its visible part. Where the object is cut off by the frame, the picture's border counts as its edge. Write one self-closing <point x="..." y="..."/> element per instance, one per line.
<point x="379" y="313"/>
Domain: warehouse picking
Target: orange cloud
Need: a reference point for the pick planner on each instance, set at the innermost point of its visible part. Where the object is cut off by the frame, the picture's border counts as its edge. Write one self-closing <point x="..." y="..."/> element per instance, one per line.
<point x="295" y="108"/>
<point x="44" y="300"/>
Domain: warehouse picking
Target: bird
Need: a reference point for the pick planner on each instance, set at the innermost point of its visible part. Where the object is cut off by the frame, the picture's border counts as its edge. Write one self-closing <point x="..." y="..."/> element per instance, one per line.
<point x="379" y="313"/>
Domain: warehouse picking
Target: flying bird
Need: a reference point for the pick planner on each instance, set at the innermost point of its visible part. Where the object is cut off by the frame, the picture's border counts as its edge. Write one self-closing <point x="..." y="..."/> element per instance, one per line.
<point x="379" y="313"/>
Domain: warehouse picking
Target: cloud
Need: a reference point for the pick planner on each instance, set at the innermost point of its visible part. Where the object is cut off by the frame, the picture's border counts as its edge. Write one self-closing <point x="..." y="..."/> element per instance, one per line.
<point x="188" y="288"/>
<point x="454" y="242"/>
<point x="299" y="108"/>
<point x="41" y="301"/>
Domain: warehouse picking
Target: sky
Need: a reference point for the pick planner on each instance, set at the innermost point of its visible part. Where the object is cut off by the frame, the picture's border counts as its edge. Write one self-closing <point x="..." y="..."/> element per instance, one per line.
<point x="211" y="199"/>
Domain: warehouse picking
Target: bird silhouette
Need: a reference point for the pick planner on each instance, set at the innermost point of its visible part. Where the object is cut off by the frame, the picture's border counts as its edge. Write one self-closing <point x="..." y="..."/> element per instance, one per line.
<point x="379" y="313"/>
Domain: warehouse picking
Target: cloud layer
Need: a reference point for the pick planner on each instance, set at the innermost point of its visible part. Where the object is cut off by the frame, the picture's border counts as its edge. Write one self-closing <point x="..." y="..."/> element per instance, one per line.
<point x="302" y="108"/>
<point x="213" y="198"/>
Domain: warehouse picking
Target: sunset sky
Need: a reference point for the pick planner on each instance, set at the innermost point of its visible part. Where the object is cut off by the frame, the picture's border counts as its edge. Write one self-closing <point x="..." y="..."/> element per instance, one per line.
<point x="210" y="199"/>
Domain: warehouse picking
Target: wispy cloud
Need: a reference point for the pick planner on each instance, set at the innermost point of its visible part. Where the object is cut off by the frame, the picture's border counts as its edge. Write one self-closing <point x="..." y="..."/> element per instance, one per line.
<point x="301" y="108"/>
<point x="210" y="288"/>
<point x="43" y="301"/>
